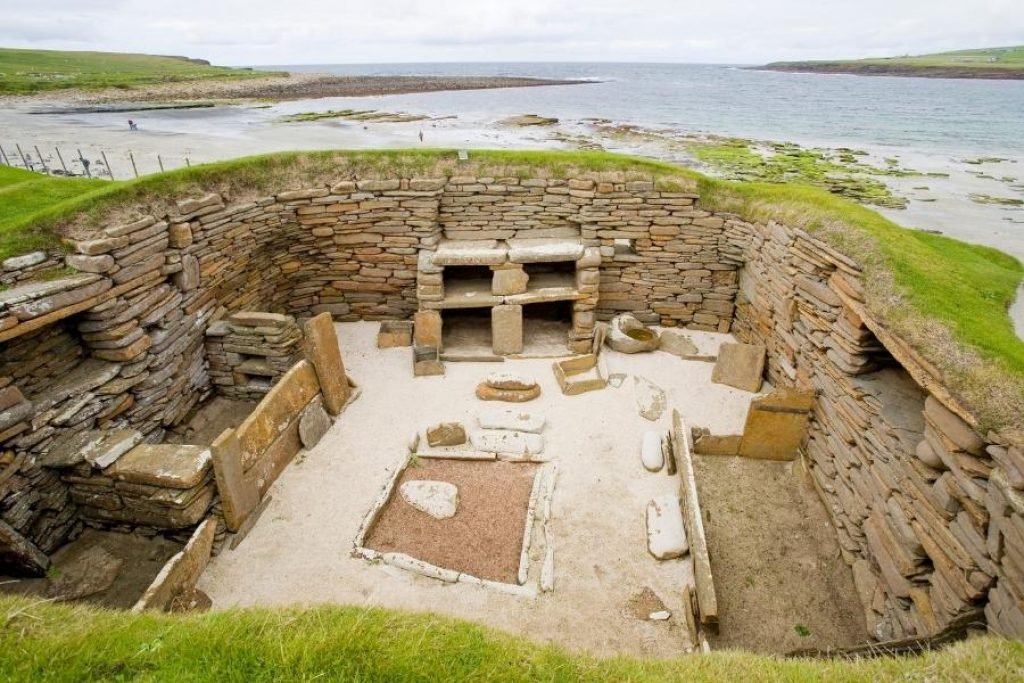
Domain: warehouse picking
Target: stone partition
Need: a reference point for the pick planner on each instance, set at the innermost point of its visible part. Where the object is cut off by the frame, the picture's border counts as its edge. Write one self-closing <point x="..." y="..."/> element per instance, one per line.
<point x="929" y="512"/>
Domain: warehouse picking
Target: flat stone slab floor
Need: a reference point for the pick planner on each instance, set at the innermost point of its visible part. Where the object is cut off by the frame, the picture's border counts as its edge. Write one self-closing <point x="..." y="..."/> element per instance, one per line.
<point x="299" y="552"/>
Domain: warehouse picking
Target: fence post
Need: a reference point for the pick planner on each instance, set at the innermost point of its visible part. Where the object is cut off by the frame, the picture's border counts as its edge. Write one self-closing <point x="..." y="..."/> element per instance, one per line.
<point x="85" y="164"/>
<point x="107" y="164"/>
<point x="132" y="157"/>
<point x="22" y="155"/>
<point x="161" y="162"/>
<point x="62" y="164"/>
<point x="188" y="163"/>
<point x="3" y="155"/>
<point x="39" y="154"/>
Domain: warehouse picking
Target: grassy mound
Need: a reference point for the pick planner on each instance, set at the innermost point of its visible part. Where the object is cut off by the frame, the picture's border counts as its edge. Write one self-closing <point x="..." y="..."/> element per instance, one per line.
<point x="46" y="642"/>
<point x="992" y="62"/>
<point x="29" y="71"/>
<point x="24" y="194"/>
<point x="948" y="299"/>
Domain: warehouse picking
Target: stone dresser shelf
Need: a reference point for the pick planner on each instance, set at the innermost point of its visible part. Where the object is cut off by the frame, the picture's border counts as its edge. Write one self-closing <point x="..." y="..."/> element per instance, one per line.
<point x="466" y="294"/>
<point x="548" y="287"/>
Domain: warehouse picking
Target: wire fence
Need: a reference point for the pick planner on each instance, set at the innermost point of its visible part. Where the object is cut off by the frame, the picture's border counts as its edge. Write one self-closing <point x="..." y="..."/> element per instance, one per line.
<point x="87" y="162"/>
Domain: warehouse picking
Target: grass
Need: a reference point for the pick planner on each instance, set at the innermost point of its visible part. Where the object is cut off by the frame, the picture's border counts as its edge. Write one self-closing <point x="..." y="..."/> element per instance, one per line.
<point x="989" y="58"/>
<point x="29" y="71"/>
<point x="24" y="194"/>
<point x="946" y="298"/>
<point x="58" y="642"/>
<point x="993" y="62"/>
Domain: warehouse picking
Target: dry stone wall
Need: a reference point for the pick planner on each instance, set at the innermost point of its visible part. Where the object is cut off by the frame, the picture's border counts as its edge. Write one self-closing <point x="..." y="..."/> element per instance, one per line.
<point x="929" y="513"/>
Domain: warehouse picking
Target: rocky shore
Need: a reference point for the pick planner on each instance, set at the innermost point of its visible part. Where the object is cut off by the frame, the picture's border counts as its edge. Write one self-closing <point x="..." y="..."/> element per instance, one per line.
<point x="298" y="86"/>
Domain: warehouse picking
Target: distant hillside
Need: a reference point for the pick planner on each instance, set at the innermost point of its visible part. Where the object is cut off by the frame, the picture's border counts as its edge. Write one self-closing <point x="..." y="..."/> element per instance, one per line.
<point x="991" y="63"/>
<point x="29" y="71"/>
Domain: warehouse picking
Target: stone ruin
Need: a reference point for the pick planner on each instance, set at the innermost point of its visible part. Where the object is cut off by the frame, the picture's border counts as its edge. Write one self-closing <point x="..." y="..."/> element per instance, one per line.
<point x="97" y="366"/>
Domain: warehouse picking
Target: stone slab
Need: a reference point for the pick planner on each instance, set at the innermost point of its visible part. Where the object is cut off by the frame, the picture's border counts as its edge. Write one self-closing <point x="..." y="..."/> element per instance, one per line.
<point x="470" y="253"/>
<point x="666" y="537"/>
<point x="324" y="352"/>
<point x="283" y="403"/>
<point x="776" y="425"/>
<point x="677" y="343"/>
<point x="507" y="441"/>
<point x="274" y="459"/>
<point x="509" y="281"/>
<point x="181" y="573"/>
<point x="651" y="400"/>
<point x="740" y="366"/>
<point x="173" y="466"/>
<point x="507" y="329"/>
<point x="313" y="423"/>
<point x="427" y="329"/>
<point x="394" y="334"/>
<point x="510" y="418"/>
<point x="91" y="570"/>
<point x="238" y="496"/>
<point x="544" y="250"/>
<point x="97" y="447"/>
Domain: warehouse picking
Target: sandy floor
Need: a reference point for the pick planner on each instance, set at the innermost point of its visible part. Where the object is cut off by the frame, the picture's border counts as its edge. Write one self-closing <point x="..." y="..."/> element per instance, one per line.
<point x="779" y="578"/>
<point x="299" y="551"/>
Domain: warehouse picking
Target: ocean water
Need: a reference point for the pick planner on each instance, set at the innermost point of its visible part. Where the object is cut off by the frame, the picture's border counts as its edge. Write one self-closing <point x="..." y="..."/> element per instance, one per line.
<point x="956" y="117"/>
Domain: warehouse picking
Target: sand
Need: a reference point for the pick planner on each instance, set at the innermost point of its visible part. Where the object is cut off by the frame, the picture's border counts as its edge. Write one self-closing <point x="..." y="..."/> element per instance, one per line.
<point x="300" y="550"/>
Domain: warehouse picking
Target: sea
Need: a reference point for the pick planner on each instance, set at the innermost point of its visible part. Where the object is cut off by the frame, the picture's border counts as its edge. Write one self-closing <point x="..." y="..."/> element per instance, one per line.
<point x="959" y="117"/>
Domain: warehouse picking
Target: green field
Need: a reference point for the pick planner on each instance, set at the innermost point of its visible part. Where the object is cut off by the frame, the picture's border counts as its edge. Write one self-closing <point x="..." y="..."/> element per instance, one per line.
<point x="947" y="298"/>
<point x="55" y="642"/>
<point x="23" y="194"/>
<point x="995" y="62"/>
<point x="29" y="71"/>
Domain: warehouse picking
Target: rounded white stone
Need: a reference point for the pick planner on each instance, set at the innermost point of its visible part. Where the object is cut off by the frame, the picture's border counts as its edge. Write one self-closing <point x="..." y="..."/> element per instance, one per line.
<point x="650" y="451"/>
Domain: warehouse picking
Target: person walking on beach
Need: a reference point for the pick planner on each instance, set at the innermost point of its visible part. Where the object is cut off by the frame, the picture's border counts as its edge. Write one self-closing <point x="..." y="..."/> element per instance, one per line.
<point x="131" y="125"/>
<point x="421" y="136"/>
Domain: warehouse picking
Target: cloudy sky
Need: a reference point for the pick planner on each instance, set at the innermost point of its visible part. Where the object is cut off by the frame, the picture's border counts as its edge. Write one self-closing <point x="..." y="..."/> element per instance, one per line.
<point x="238" y="32"/>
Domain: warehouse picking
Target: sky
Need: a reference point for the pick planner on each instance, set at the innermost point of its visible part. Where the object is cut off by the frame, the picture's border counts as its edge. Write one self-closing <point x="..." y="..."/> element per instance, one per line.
<point x="259" y="32"/>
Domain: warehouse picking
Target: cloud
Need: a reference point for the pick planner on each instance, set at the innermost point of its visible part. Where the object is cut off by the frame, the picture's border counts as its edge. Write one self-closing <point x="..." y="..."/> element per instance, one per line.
<point x="325" y="31"/>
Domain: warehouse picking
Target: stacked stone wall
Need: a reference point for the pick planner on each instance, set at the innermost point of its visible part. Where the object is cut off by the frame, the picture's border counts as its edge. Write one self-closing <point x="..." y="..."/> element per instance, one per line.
<point x="927" y="510"/>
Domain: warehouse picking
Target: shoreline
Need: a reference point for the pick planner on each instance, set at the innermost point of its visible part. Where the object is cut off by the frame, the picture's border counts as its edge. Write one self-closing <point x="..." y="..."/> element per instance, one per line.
<point x="297" y="86"/>
<point x="894" y="70"/>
